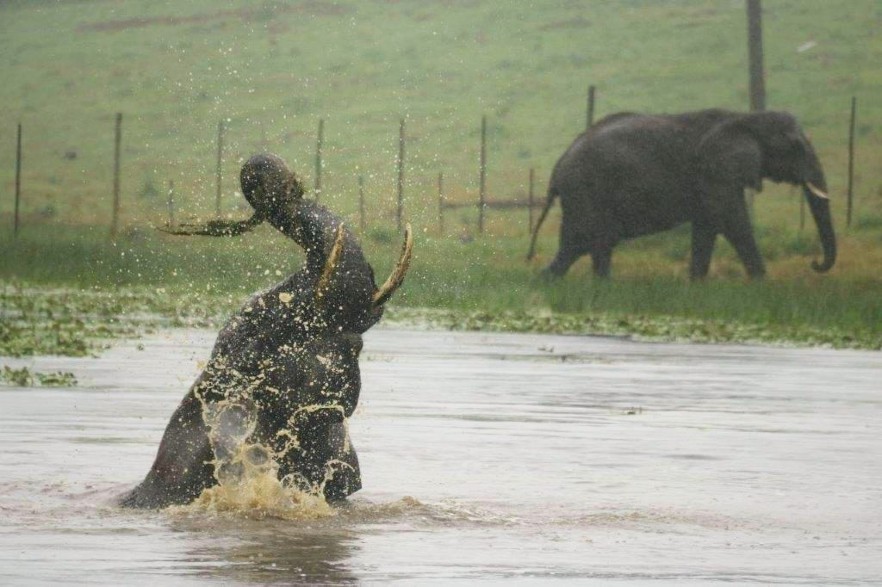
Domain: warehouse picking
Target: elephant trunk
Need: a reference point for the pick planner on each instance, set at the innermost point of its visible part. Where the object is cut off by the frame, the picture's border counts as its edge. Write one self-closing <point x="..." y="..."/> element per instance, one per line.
<point x="814" y="189"/>
<point x="340" y="276"/>
<point x="345" y="279"/>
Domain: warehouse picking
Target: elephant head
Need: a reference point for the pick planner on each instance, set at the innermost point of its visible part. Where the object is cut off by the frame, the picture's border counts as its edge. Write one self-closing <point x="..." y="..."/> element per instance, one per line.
<point x="745" y="149"/>
<point x="283" y="375"/>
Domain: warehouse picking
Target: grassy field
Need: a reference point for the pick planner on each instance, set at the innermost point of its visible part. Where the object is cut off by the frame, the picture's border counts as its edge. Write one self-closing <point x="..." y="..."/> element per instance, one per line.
<point x="271" y="70"/>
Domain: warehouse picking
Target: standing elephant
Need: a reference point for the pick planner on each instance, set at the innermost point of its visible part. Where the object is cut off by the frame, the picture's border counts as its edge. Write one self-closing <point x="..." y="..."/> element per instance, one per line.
<point x="636" y="174"/>
<point x="283" y="375"/>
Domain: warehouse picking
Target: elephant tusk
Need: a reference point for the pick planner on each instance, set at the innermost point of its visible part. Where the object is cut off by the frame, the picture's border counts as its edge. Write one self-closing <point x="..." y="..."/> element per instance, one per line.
<point x="331" y="264"/>
<point x="816" y="191"/>
<point x="382" y="295"/>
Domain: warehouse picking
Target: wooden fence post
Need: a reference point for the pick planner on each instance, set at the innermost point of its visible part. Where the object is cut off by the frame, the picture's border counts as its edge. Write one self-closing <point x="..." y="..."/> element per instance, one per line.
<point x="361" y="222"/>
<point x="441" y="204"/>
<point x="220" y="154"/>
<point x="482" y="190"/>
<point x="318" y="158"/>
<point x="15" y="220"/>
<point x="400" y="209"/>
<point x="850" y="190"/>
<point x="117" y="140"/>
<point x="530" y="202"/>
<point x="171" y="203"/>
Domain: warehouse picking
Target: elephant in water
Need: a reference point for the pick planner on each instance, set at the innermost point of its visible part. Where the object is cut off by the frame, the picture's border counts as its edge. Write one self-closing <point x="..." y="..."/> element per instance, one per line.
<point x="283" y="375"/>
<point x="636" y="174"/>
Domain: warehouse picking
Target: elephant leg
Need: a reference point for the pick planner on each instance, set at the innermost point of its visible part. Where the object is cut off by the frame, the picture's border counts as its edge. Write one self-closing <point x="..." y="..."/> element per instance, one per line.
<point x="601" y="258"/>
<point x="572" y="246"/>
<point x="704" y="238"/>
<point x="738" y="231"/>
<point x="562" y="262"/>
<point x="342" y="474"/>
<point x="184" y="462"/>
<point x="584" y="237"/>
<point x="601" y="247"/>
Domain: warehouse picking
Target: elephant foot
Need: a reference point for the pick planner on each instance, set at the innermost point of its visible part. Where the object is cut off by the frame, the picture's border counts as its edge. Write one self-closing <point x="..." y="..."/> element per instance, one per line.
<point x="548" y="275"/>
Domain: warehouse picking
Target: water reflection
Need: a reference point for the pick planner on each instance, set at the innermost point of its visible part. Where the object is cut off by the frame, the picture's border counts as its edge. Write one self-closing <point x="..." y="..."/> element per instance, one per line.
<point x="269" y="551"/>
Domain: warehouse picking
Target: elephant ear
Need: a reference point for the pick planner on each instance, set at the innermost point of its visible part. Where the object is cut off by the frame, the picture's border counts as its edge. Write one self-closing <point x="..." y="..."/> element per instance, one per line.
<point x="730" y="156"/>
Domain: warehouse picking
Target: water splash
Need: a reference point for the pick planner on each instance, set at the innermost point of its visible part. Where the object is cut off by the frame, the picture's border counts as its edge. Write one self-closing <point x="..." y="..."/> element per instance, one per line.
<point x="259" y="494"/>
<point x="247" y="471"/>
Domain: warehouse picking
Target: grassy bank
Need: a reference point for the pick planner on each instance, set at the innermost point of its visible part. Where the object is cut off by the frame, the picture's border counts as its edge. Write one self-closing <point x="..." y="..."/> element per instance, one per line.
<point x="101" y="289"/>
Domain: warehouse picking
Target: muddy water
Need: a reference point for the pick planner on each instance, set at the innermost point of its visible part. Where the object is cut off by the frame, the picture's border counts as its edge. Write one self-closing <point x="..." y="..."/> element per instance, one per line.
<point x="485" y="457"/>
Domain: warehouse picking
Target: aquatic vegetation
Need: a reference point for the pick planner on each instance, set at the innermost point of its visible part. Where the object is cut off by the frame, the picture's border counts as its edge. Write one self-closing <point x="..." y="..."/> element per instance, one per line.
<point x="56" y="321"/>
<point x="70" y="322"/>
<point x="638" y="326"/>
<point x="24" y="377"/>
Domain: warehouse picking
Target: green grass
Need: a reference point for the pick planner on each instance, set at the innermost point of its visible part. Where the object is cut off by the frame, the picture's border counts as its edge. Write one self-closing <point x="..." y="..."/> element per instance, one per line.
<point x="272" y="69"/>
<point x="151" y="279"/>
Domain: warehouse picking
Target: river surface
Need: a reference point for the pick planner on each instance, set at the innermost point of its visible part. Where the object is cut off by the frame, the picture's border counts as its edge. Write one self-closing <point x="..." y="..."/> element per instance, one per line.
<point x="485" y="457"/>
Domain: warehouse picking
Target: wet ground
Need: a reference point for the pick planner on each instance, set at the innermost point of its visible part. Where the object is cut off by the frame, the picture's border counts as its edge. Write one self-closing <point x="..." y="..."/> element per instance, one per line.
<point x="485" y="457"/>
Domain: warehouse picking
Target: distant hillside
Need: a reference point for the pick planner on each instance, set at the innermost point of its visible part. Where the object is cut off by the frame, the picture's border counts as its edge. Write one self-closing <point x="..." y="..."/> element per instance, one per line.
<point x="272" y="69"/>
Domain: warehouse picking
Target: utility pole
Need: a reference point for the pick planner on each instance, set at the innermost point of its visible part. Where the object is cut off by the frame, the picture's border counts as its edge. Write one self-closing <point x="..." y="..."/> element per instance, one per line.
<point x="755" y="55"/>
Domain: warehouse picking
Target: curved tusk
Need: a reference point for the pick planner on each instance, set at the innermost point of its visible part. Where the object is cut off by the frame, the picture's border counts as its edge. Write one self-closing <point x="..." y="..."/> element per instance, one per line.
<point x="382" y="295"/>
<point x="331" y="264"/>
<point x="816" y="191"/>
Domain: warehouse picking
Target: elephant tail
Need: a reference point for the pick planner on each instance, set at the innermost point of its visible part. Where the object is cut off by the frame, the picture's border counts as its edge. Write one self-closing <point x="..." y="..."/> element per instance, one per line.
<point x="552" y="194"/>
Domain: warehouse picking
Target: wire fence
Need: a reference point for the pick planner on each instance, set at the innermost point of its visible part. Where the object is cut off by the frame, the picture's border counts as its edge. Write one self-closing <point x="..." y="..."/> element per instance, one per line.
<point x="482" y="201"/>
